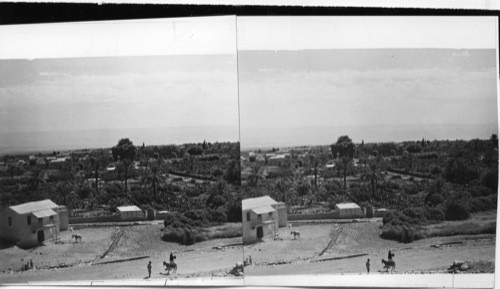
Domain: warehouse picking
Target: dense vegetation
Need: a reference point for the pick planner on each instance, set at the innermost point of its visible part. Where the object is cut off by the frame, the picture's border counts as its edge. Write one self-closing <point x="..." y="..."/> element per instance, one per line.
<point x="419" y="182"/>
<point x="198" y="181"/>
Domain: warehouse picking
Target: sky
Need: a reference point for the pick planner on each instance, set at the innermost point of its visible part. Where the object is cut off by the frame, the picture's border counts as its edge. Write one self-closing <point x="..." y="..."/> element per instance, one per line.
<point x="397" y="79"/>
<point x="118" y="93"/>
<point x="295" y="80"/>
<point x="85" y="85"/>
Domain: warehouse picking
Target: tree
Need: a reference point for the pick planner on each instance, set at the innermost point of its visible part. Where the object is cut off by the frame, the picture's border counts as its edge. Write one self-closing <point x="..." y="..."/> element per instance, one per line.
<point x="38" y="178"/>
<point x="124" y="152"/>
<point x="233" y="173"/>
<point x="494" y="140"/>
<point x="373" y="176"/>
<point x="255" y="179"/>
<point x="154" y="179"/>
<point x="344" y="150"/>
<point x="95" y="167"/>
<point x="314" y="162"/>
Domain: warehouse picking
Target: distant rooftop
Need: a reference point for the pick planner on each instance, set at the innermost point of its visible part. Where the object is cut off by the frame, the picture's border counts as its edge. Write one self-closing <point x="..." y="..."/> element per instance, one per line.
<point x="347" y="206"/>
<point x="263" y="210"/>
<point x="128" y="209"/>
<point x="257" y="202"/>
<point x="34" y="207"/>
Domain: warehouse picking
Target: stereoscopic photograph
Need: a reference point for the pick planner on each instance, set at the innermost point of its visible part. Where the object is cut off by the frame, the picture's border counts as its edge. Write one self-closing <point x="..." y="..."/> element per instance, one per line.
<point x="369" y="147"/>
<point x="121" y="165"/>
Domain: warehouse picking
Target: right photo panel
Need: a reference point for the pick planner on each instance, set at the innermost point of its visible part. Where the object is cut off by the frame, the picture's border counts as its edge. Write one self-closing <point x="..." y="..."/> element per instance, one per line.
<point x="369" y="149"/>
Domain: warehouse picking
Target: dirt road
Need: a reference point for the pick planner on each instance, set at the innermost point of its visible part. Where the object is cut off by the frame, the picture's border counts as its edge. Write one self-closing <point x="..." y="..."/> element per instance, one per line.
<point x="327" y="241"/>
<point x="206" y="259"/>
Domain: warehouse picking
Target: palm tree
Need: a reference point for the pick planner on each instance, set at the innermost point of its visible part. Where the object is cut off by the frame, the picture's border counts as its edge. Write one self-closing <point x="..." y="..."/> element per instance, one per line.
<point x="287" y="191"/>
<point x="154" y="179"/>
<point x="373" y="177"/>
<point x="314" y="162"/>
<point x="37" y="180"/>
<point x="95" y="167"/>
<point x="255" y="178"/>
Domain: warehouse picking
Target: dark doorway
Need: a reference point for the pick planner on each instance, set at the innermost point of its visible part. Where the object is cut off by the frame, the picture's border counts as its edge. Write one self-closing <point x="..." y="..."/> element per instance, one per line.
<point x="260" y="232"/>
<point x="41" y="236"/>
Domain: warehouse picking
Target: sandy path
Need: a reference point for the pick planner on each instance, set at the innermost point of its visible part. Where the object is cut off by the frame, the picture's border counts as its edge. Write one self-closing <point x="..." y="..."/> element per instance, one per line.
<point x="359" y="238"/>
<point x="209" y="262"/>
<point x="408" y="261"/>
<point x="209" y="258"/>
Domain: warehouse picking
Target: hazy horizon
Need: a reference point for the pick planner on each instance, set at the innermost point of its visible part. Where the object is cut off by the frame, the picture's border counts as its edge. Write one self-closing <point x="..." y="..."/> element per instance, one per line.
<point x="23" y="142"/>
<point x="289" y="97"/>
<point x="94" y="101"/>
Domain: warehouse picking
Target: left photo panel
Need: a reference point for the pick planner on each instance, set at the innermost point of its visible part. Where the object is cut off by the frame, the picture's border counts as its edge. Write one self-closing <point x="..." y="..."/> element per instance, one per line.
<point x="119" y="153"/>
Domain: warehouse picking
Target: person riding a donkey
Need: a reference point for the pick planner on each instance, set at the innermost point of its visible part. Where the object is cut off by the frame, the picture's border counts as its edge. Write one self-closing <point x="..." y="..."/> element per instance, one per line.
<point x="172" y="257"/>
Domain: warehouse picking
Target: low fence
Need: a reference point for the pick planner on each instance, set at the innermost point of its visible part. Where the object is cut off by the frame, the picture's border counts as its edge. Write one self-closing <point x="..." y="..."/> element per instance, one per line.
<point x="317" y="216"/>
<point x="95" y="219"/>
<point x="408" y="173"/>
<point x="330" y="215"/>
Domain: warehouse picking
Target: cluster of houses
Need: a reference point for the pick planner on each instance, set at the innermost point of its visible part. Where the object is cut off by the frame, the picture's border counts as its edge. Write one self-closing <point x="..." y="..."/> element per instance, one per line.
<point x="33" y="223"/>
<point x="262" y="217"/>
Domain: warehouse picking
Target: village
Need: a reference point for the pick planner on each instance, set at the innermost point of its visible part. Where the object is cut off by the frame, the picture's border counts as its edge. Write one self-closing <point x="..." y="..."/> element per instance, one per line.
<point x="322" y="214"/>
<point x="62" y="211"/>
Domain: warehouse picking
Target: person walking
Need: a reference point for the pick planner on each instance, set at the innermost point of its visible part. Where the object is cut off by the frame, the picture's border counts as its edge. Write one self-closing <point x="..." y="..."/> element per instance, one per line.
<point x="368" y="266"/>
<point x="149" y="269"/>
<point x="172" y="257"/>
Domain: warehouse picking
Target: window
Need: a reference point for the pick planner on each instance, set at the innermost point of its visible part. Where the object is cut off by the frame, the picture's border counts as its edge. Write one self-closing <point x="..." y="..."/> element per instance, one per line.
<point x="29" y="220"/>
<point x="10" y="221"/>
<point x="40" y="222"/>
<point x="270" y="214"/>
<point x="259" y="216"/>
<point x="248" y="216"/>
<point x="51" y="218"/>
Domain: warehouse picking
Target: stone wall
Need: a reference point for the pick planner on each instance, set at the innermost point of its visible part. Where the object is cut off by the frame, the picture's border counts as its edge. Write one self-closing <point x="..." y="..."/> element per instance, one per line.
<point x="96" y="219"/>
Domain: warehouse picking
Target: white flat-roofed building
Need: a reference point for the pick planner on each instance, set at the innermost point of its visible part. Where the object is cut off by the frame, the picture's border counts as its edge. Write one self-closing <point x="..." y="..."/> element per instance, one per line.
<point x="130" y="213"/>
<point x="261" y="218"/>
<point x="32" y="223"/>
<point x="349" y="210"/>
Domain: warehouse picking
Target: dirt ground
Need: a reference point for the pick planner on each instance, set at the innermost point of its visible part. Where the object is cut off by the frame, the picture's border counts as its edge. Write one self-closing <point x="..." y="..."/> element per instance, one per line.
<point x="206" y="259"/>
<point x="319" y="244"/>
<point x="95" y="241"/>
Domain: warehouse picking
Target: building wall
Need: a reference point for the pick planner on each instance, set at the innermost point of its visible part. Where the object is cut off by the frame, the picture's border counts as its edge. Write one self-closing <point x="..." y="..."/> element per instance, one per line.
<point x="250" y="227"/>
<point x="282" y="214"/>
<point x="63" y="218"/>
<point x="132" y="216"/>
<point x="351" y="213"/>
<point x="25" y="235"/>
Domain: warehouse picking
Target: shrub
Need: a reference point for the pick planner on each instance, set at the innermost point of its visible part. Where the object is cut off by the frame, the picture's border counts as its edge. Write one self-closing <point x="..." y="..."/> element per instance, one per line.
<point x="393" y="218"/>
<point x="483" y="203"/>
<point x="490" y="180"/>
<point x="405" y="234"/>
<point x="435" y="199"/>
<point x="233" y="211"/>
<point x="435" y="170"/>
<point x="478" y="191"/>
<point x="436" y="214"/>
<point x="391" y="233"/>
<point x="217" y="172"/>
<point x="177" y="220"/>
<point x="456" y="211"/>
<point x="183" y="236"/>
<point x="416" y="215"/>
